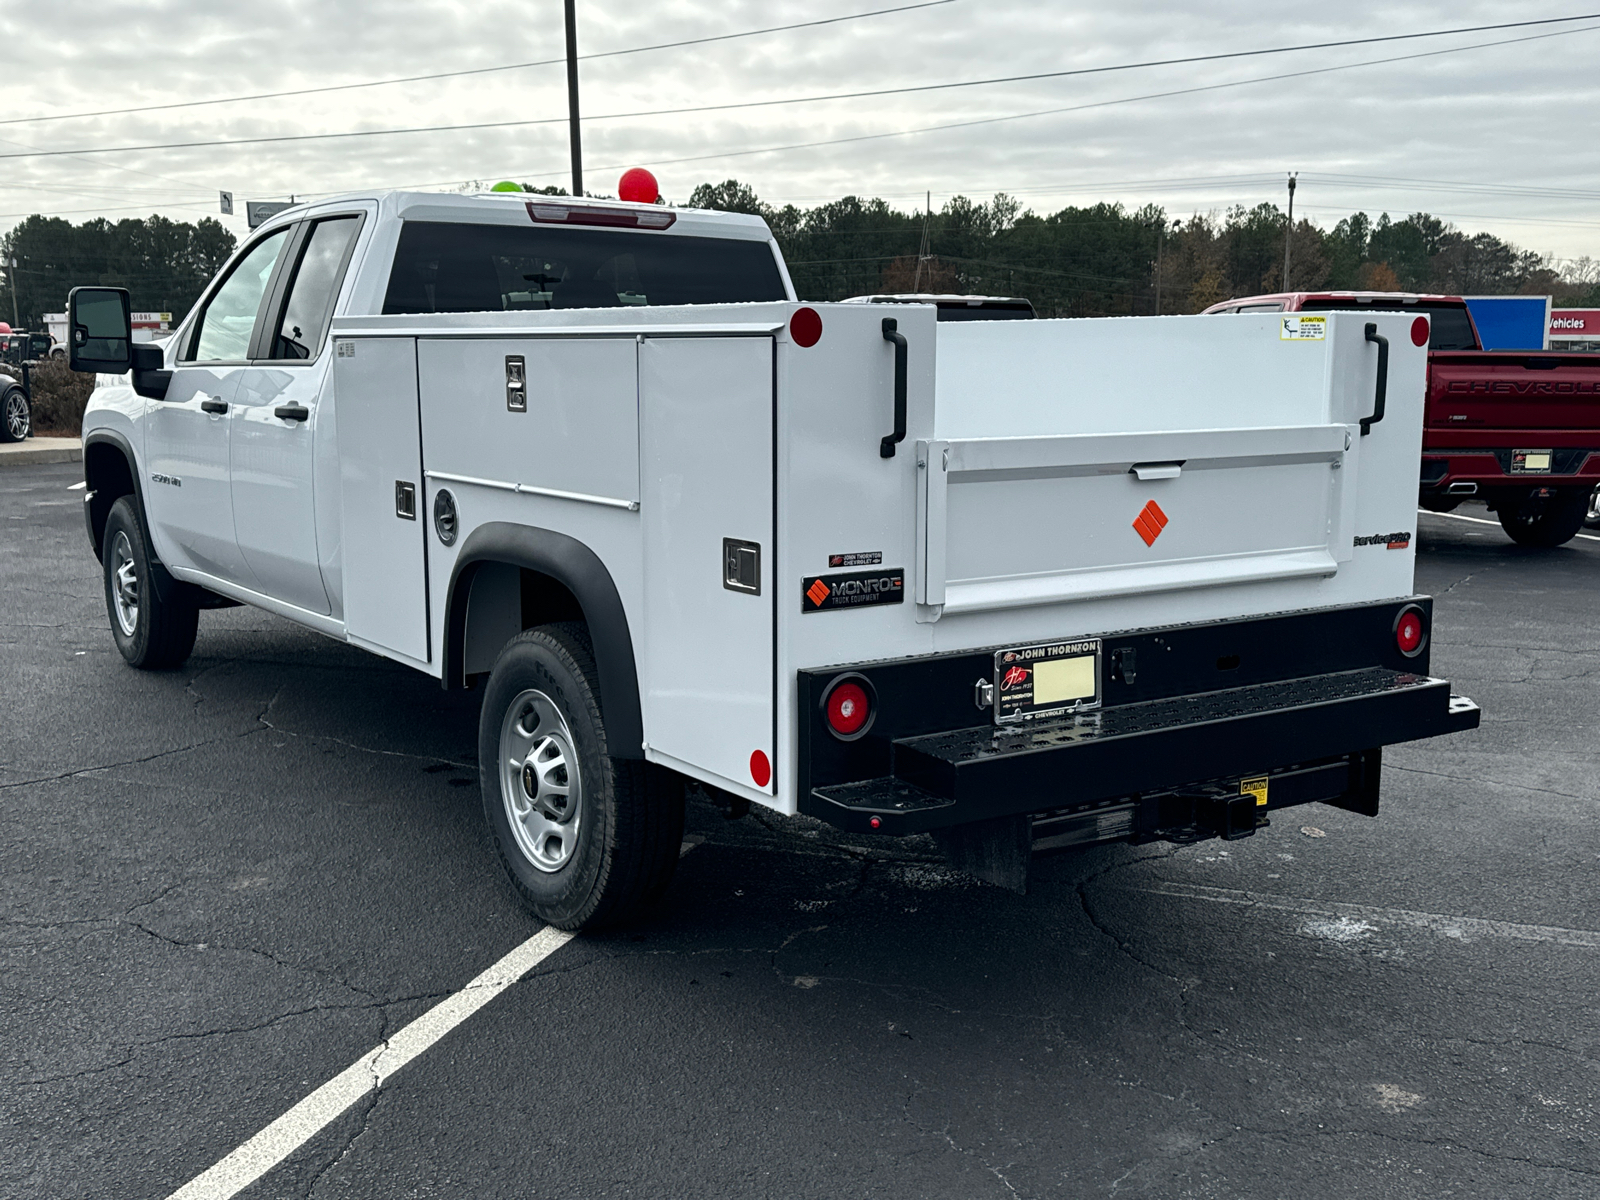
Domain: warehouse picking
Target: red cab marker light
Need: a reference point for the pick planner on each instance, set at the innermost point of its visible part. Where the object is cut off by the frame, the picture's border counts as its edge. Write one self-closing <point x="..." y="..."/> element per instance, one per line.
<point x="1410" y="634"/>
<point x="1419" y="332"/>
<point x="760" y="769"/>
<point x="805" y="327"/>
<point x="638" y="186"/>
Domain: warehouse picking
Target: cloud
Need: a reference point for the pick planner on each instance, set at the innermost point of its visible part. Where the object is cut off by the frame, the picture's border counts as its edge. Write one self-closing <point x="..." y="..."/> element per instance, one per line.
<point x="1484" y="118"/>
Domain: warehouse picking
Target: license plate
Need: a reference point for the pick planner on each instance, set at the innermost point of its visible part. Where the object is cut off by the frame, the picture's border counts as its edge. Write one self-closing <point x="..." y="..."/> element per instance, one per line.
<point x="1046" y="680"/>
<point x="1530" y="462"/>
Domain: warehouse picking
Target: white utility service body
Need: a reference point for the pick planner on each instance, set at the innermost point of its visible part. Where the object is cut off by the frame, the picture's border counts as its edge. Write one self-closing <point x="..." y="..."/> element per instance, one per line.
<point x="1183" y="523"/>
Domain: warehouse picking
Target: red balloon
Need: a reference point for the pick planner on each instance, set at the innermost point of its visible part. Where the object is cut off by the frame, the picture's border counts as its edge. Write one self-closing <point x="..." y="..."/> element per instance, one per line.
<point x="638" y="186"/>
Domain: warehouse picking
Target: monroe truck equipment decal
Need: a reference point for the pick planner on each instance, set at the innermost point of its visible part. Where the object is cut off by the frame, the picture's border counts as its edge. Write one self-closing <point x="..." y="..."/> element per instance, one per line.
<point x="822" y="592"/>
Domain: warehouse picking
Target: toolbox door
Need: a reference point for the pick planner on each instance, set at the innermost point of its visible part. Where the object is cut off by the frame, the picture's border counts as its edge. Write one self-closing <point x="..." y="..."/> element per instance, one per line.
<point x="706" y="499"/>
<point x="380" y="495"/>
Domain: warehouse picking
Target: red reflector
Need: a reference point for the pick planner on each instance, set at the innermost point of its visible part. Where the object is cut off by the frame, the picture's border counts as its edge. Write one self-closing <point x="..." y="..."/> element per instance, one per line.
<point x="760" y="769"/>
<point x="555" y="213"/>
<point x="805" y="327"/>
<point x="848" y="708"/>
<point x="1408" y="632"/>
<point x="638" y="186"/>
<point x="876" y="823"/>
<point x="1419" y="332"/>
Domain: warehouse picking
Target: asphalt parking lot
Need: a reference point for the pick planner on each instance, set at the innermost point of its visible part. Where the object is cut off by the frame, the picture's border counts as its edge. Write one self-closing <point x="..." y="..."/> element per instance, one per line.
<point x="222" y="886"/>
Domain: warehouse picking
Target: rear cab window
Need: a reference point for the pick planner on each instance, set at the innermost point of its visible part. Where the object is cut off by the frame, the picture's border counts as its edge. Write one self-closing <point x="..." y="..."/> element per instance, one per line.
<point x="446" y="267"/>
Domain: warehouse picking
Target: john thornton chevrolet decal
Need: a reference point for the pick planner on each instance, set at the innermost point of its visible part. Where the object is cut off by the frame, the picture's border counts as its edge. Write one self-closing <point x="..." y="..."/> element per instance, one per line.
<point x="857" y="590"/>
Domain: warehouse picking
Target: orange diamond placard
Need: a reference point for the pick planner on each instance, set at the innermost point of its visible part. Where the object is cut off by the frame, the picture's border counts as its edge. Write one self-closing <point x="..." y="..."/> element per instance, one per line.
<point x="818" y="592"/>
<point x="1150" y="522"/>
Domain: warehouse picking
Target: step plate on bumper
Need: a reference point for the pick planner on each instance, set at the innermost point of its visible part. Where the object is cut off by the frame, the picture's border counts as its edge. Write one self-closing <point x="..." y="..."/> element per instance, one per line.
<point x="1161" y="745"/>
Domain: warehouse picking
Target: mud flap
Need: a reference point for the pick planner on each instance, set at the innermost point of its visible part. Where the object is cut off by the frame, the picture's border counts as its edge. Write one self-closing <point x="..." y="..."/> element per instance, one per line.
<point x="996" y="851"/>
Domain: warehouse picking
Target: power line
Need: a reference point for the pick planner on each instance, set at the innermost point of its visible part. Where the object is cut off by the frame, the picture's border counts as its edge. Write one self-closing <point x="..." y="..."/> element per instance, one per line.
<point x="704" y="108"/>
<point x="543" y="62"/>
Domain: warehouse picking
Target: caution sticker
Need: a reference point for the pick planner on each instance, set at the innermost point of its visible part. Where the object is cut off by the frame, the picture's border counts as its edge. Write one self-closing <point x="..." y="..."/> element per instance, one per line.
<point x="1292" y="327"/>
<point x="1256" y="787"/>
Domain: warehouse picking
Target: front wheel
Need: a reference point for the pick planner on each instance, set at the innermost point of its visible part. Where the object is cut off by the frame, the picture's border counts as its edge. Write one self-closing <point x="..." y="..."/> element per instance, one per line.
<point x="150" y="630"/>
<point x="586" y="839"/>
<point x="16" y="417"/>
<point x="1544" y="517"/>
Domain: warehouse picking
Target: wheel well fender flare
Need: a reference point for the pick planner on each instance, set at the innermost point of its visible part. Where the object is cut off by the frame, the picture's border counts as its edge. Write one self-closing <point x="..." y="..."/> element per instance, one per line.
<point x="579" y="569"/>
<point x="101" y="450"/>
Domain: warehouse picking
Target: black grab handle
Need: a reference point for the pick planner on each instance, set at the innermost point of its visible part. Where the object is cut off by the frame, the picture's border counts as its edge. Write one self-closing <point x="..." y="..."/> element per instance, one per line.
<point x="891" y="440"/>
<point x="1383" y="379"/>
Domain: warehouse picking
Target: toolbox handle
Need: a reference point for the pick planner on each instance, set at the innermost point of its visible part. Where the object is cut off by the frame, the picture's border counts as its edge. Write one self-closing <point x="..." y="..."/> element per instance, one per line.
<point x="1382" y="393"/>
<point x="891" y="333"/>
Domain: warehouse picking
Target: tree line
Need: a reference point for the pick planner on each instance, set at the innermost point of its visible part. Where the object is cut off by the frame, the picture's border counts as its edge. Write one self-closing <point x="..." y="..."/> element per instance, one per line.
<point x="1108" y="260"/>
<point x="164" y="264"/>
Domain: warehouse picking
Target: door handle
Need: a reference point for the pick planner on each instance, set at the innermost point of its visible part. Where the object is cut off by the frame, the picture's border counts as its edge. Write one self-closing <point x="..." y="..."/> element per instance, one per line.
<point x="292" y="412"/>
<point x="1382" y="391"/>
<point x="890" y="440"/>
<point x="214" y="406"/>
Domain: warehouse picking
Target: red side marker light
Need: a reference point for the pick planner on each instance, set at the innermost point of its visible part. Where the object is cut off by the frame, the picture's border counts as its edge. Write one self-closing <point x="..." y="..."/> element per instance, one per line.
<point x="1419" y="332"/>
<point x="805" y="327"/>
<point x="876" y="823"/>
<point x="1410" y="635"/>
<point x="638" y="186"/>
<point x="760" y="769"/>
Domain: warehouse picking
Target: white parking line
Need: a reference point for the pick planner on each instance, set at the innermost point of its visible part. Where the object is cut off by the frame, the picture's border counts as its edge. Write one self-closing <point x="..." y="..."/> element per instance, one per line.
<point x="1463" y="929"/>
<point x="372" y="1070"/>
<point x="1588" y="537"/>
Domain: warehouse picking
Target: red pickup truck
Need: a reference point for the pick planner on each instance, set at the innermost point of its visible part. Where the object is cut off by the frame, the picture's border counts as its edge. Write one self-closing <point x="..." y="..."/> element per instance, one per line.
<point x="1518" y="429"/>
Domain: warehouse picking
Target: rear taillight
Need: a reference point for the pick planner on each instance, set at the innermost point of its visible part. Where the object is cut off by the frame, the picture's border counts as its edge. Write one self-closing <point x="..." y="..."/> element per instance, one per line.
<point x="1410" y="631"/>
<point x="848" y="707"/>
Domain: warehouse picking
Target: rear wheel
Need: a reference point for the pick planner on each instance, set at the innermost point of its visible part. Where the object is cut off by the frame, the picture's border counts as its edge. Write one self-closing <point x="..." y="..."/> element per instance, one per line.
<point x="16" y="417"/>
<point x="1591" y="519"/>
<point x="1544" y="520"/>
<point x="586" y="839"/>
<point x="150" y="631"/>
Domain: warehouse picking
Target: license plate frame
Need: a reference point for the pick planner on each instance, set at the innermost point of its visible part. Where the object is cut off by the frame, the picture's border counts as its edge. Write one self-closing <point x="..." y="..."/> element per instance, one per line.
<point x="1521" y="466"/>
<point x="1017" y="680"/>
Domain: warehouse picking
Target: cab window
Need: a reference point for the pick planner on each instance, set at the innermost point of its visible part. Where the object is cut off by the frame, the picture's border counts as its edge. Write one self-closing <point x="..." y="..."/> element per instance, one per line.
<point x="315" y="288"/>
<point x="223" y="332"/>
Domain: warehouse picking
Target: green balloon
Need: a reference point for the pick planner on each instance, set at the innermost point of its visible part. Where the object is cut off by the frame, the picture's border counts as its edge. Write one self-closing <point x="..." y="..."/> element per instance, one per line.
<point x="506" y="186"/>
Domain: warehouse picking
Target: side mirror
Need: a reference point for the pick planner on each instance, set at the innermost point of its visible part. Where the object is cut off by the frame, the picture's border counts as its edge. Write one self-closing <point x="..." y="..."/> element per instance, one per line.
<point x="100" y="331"/>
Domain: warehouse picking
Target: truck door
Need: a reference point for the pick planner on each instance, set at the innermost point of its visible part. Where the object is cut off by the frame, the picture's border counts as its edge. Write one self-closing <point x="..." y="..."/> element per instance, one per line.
<point x="188" y="497"/>
<point x="380" y="497"/>
<point x="706" y="451"/>
<point x="272" y="452"/>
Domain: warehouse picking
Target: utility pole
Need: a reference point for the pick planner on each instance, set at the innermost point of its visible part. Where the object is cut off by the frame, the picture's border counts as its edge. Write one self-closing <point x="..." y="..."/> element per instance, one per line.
<point x="572" y="98"/>
<point x="922" y="250"/>
<point x="1161" y="244"/>
<point x="1289" y="232"/>
<point x="16" y="321"/>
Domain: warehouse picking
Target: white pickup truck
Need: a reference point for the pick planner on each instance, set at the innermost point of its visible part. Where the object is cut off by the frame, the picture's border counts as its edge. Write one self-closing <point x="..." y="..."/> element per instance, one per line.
<point x="1019" y="584"/>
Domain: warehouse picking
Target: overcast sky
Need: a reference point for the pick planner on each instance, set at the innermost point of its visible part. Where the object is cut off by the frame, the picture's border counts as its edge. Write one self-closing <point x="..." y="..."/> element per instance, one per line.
<point x="1499" y="138"/>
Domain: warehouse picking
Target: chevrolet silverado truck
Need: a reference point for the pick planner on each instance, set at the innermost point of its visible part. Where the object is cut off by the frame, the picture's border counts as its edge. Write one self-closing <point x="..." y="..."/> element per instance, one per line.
<point x="1518" y="429"/>
<point x="1021" y="585"/>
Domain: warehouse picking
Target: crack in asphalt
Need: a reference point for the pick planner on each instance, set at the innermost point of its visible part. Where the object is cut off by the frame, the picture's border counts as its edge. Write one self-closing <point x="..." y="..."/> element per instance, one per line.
<point x="1478" y="780"/>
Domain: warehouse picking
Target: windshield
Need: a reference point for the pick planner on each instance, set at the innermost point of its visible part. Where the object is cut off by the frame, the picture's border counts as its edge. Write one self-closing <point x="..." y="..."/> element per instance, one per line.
<point x="441" y="267"/>
<point x="1452" y="328"/>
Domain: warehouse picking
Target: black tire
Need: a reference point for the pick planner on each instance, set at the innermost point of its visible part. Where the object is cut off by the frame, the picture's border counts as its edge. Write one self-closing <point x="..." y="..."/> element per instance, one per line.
<point x="150" y="630"/>
<point x="1591" y="518"/>
<point x="16" y="416"/>
<point x="1544" y="521"/>
<point x="580" y="864"/>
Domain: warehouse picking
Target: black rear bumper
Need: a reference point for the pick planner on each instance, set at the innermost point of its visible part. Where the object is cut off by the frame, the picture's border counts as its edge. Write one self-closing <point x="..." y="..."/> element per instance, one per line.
<point x="1169" y="766"/>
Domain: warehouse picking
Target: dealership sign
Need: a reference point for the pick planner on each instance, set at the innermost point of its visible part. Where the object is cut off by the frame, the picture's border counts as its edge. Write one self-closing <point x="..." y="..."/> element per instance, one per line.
<point x="1575" y="323"/>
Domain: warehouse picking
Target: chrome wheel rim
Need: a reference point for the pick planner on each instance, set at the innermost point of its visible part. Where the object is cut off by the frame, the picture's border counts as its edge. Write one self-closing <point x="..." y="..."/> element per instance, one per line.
<point x="16" y="416"/>
<point x="124" y="584"/>
<point x="539" y="781"/>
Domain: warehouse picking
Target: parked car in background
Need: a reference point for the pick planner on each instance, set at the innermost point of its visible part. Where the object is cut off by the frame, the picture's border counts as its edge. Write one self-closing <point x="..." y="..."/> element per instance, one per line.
<point x="16" y="411"/>
<point x="1518" y="429"/>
